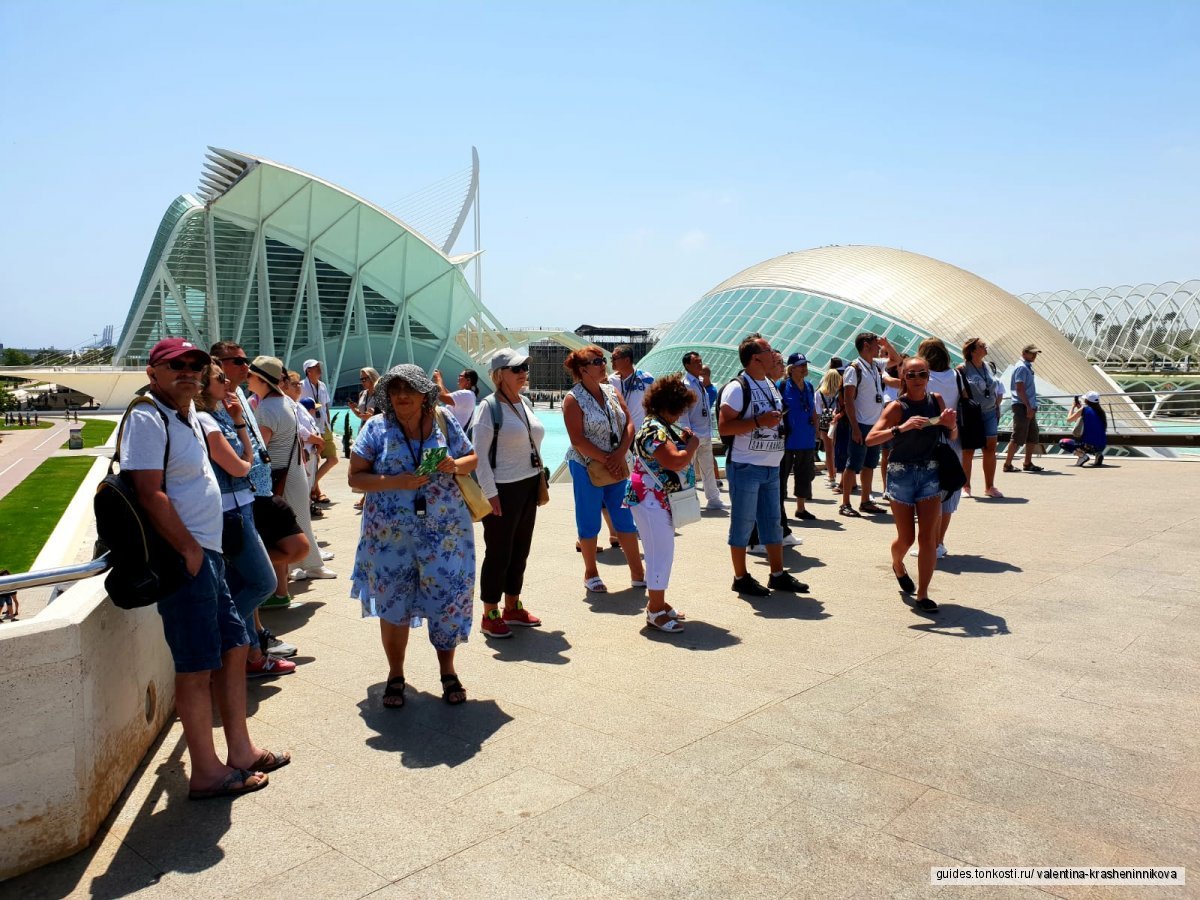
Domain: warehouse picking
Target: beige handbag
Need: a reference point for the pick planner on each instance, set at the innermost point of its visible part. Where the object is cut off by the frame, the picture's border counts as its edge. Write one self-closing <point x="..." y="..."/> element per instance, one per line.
<point x="478" y="505"/>
<point x="601" y="477"/>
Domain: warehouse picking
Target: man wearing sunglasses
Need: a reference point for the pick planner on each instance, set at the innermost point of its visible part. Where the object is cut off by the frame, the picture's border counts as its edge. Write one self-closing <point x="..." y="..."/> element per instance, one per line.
<point x="207" y="637"/>
<point x="630" y="383"/>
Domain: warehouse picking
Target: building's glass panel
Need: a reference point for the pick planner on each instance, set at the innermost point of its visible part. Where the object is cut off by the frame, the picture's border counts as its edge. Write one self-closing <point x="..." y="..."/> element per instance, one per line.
<point x="285" y="265"/>
<point x="233" y="253"/>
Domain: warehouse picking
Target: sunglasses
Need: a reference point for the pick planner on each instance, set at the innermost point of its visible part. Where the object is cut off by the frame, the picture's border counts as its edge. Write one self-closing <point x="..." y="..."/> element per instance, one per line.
<point x="598" y="361"/>
<point x="236" y="360"/>
<point x="178" y="365"/>
<point x="918" y="376"/>
<point x="221" y="378"/>
<point x="517" y="370"/>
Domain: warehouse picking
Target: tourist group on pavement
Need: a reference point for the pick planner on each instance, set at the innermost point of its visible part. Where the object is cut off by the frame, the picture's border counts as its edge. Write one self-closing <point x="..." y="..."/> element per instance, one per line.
<point x="229" y="462"/>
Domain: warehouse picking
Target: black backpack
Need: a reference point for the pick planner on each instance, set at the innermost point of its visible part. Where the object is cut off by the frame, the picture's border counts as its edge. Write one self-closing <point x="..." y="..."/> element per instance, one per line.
<point x="144" y="568"/>
<point x="727" y="439"/>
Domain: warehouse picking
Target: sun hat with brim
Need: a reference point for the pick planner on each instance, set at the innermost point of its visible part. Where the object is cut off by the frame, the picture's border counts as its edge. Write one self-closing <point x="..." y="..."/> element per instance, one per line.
<point x="270" y="370"/>
<point x="1092" y="397"/>
<point x="172" y="348"/>
<point x="412" y="375"/>
<point x="507" y="357"/>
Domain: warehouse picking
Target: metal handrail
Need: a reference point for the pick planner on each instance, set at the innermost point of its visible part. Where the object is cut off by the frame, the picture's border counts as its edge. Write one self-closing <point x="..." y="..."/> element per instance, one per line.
<point x="77" y="572"/>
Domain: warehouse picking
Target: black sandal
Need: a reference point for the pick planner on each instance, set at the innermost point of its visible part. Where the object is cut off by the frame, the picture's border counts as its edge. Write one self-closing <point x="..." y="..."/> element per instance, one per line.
<point x="394" y="688"/>
<point x="451" y="685"/>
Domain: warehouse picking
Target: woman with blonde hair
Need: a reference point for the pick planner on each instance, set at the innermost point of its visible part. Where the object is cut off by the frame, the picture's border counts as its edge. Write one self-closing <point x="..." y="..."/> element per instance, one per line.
<point x="364" y="408"/>
<point x="601" y="433"/>
<point x="828" y="414"/>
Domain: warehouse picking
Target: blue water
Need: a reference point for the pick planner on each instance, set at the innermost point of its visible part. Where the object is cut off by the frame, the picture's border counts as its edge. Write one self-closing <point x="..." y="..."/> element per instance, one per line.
<point x="554" y="445"/>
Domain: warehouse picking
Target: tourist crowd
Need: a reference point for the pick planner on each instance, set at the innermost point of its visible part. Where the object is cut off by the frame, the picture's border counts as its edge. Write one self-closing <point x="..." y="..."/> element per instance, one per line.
<point x="228" y="463"/>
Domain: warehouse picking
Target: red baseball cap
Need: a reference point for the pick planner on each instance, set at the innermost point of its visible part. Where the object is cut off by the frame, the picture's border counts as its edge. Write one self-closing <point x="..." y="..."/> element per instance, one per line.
<point x="170" y="348"/>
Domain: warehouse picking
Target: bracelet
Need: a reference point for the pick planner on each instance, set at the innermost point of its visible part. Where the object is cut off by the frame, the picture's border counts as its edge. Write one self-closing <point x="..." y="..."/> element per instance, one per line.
<point x="239" y="425"/>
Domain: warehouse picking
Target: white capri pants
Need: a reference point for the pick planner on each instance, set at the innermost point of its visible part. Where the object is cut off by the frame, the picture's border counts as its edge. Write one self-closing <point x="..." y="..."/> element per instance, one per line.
<point x="658" y="540"/>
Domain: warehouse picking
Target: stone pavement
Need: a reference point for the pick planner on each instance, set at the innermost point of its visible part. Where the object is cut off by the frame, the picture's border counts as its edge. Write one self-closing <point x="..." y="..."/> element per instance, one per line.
<point x="836" y="745"/>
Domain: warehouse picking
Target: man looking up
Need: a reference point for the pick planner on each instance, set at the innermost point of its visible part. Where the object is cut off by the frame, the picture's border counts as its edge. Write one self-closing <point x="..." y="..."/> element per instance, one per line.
<point x="700" y="420"/>
<point x="207" y="637"/>
<point x="313" y="387"/>
<point x="862" y="387"/>
<point x="630" y="383"/>
<point x="1024" y="411"/>
<point x="750" y="412"/>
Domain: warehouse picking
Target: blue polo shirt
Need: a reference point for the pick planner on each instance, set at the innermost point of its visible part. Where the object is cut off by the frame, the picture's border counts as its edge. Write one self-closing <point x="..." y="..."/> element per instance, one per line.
<point x="798" y="406"/>
<point x="1023" y="374"/>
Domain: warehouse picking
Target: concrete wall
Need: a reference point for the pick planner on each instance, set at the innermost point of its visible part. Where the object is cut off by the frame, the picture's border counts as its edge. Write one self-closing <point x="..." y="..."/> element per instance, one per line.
<point x="85" y="688"/>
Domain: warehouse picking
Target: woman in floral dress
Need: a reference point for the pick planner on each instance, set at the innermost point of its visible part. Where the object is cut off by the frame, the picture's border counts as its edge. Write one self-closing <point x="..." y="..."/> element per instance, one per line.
<point x="662" y="465"/>
<point x="416" y="554"/>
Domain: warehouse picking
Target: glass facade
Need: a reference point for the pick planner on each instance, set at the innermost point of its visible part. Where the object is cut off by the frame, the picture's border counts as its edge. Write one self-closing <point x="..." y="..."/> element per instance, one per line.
<point x="793" y="321"/>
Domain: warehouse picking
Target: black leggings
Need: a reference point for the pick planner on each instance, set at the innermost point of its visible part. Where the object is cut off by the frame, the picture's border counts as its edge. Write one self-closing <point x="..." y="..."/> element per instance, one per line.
<point x="507" y="539"/>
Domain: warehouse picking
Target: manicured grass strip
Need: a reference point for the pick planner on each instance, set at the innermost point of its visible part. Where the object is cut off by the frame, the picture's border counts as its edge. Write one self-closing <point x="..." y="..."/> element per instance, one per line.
<point x="95" y="432"/>
<point x="42" y="424"/>
<point x="30" y="511"/>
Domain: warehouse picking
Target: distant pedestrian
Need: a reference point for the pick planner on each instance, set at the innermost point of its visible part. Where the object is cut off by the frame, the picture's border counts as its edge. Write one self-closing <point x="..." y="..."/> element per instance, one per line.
<point x="800" y="444"/>
<point x="943" y="383"/>
<point x="8" y="602"/>
<point x="630" y="383"/>
<point x="463" y="399"/>
<point x="1093" y="438"/>
<point x="828" y="416"/>
<point x="314" y="388"/>
<point x="1024" y="411"/>
<point x="700" y="421"/>
<point x="862" y="388"/>
<point x="985" y="390"/>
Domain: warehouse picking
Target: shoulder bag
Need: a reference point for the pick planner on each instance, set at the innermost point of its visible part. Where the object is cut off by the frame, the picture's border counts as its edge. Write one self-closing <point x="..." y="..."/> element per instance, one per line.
<point x="685" y="503"/>
<point x="478" y="505"/>
<point x="970" y="415"/>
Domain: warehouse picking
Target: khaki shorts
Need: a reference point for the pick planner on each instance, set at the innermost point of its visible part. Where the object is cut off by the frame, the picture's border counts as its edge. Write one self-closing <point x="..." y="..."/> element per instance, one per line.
<point x="1025" y="427"/>
<point x="329" y="451"/>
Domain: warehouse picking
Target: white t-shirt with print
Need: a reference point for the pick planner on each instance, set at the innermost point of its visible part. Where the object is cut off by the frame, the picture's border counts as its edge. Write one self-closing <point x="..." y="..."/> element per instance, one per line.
<point x="867" y="379"/>
<point x="763" y="446"/>
<point x="191" y="485"/>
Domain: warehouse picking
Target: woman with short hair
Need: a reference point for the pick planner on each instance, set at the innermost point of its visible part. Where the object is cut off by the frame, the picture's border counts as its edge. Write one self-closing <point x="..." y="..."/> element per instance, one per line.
<point x="915" y="423"/>
<point x="601" y="433"/>
<point x="416" y="554"/>
<point x="508" y="442"/>
<point x="985" y="391"/>
<point x="662" y="466"/>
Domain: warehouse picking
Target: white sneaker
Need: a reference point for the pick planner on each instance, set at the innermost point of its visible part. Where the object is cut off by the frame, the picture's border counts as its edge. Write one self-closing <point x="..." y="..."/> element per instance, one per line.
<point x="757" y="549"/>
<point x="298" y="574"/>
<point x="790" y="540"/>
<point x="1082" y="460"/>
<point x="885" y="496"/>
<point x="941" y="551"/>
<point x="322" y="572"/>
<point x="327" y="555"/>
<point x="716" y="504"/>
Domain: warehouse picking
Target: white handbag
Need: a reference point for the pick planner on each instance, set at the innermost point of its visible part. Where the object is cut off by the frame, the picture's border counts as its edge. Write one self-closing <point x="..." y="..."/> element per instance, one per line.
<point x="684" y="505"/>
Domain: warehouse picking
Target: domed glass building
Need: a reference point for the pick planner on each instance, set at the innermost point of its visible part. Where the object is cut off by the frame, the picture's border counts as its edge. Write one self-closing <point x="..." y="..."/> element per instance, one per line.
<point x="816" y="301"/>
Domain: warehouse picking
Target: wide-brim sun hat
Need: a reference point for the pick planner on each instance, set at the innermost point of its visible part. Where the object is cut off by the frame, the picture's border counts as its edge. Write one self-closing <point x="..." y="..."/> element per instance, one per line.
<point x="412" y="375"/>
<point x="269" y="369"/>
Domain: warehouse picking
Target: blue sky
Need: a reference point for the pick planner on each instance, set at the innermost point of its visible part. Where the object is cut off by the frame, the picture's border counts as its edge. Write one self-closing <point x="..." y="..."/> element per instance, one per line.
<point x="633" y="155"/>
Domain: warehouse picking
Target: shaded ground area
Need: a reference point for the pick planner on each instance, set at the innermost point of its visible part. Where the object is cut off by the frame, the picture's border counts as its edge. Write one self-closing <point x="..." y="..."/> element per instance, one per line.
<point x="836" y="745"/>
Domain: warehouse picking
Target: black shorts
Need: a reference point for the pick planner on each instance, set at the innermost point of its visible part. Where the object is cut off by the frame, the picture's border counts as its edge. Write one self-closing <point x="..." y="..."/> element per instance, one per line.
<point x="274" y="520"/>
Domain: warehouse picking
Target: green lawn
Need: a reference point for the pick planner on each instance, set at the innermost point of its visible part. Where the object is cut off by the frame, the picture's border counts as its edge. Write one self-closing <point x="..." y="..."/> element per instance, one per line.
<point x="31" y="510"/>
<point x="44" y="423"/>
<point x="95" y="432"/>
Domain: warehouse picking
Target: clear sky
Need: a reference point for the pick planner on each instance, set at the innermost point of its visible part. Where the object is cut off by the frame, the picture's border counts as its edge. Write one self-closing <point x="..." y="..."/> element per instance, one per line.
<point x="633" y="155"/>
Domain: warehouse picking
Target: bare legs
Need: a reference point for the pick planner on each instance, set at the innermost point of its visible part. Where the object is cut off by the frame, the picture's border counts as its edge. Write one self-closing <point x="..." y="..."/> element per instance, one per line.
<point x="827" y="440"/>
<point x="284" y="554"/>
<point x="633" y="555"/>
<point x="989" y="464"/>
<point x="194" y="692"/>
<point x="924" y="530"/>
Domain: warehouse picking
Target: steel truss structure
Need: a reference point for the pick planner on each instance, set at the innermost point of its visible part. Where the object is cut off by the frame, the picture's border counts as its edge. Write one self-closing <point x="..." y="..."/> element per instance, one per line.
<point x="1127" y="324"/>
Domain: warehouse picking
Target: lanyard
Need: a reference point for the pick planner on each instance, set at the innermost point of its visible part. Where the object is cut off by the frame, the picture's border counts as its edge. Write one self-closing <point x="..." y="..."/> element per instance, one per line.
<point x="768" y="394"/>
<point x="876" y="378"/>
<point x="612" y="428"/>
<point x="987" y="379"/>
<point x="535" y="457"/>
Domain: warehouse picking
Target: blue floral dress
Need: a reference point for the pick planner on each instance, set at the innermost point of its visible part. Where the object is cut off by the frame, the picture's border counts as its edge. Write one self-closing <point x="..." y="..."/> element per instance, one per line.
<point x="409" y="567"/>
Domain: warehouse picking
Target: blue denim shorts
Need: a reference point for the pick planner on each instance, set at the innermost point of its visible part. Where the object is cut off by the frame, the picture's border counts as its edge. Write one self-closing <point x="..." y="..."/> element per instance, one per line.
<point x="589" y="499"/>
<point x="991" y="422"/>
<point x="754" y="491"/>
<point x="199" y="619"/>
<point x="910" y="483"/>
<point x="862" y="456"/>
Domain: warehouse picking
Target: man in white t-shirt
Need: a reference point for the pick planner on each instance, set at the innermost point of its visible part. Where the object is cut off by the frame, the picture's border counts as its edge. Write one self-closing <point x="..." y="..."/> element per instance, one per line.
<point x="700" y="420"/>
<point x="313" y="387"/>
<point x="751" y="412"/>
<point x="207" y="637"/>
<point x="462" y="401"/>
<point x="863" y="392"/>
<point x="630" y="383"/>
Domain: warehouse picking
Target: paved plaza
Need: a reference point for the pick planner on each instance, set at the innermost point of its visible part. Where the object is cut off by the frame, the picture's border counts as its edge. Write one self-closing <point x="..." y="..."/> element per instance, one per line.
<point x="832" y="745"/>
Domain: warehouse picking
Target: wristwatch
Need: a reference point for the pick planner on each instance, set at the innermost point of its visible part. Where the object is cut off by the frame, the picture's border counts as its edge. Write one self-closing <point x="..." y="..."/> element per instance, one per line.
<point x="895" y="431"/>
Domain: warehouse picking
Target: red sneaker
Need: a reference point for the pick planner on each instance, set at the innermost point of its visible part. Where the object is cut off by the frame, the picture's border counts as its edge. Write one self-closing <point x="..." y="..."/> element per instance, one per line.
<point x="493" y="626"/>
<point x="521" y="616"/>
<point x="267" y="666"/>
